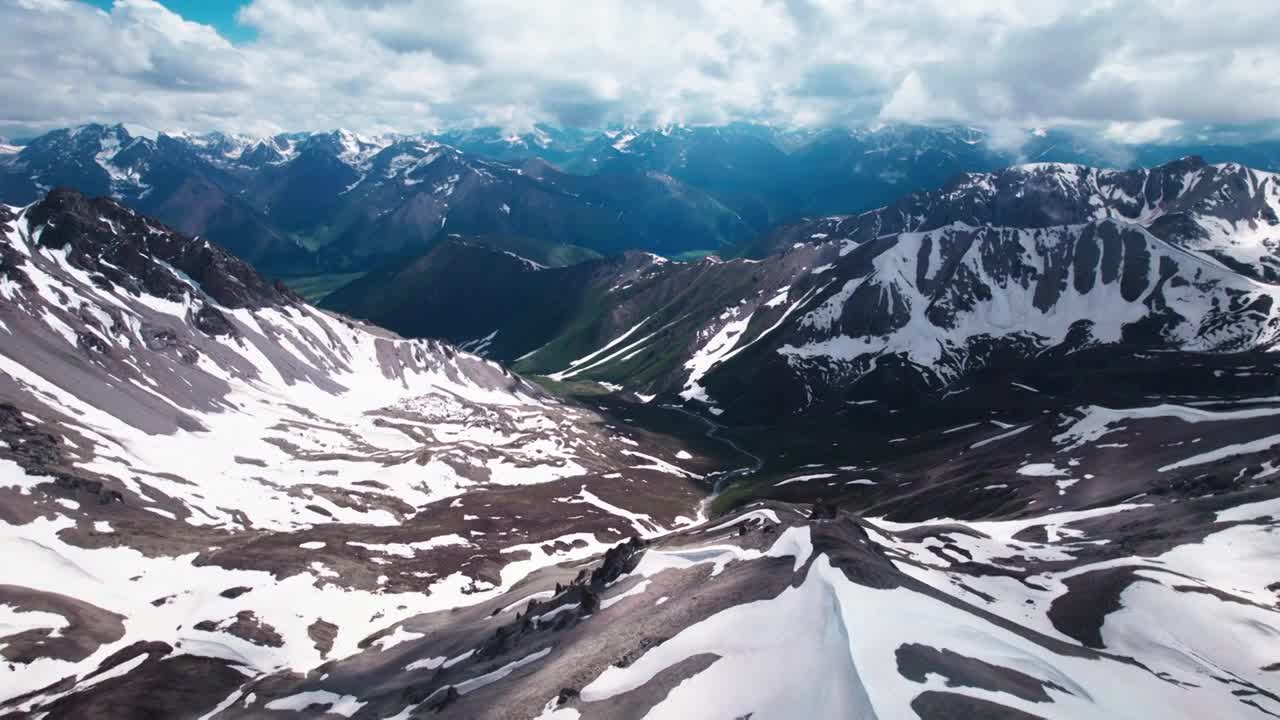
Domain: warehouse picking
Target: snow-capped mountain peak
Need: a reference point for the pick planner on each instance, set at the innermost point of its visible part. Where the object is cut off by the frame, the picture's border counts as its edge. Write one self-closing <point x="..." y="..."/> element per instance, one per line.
<point x="350" y="148"/>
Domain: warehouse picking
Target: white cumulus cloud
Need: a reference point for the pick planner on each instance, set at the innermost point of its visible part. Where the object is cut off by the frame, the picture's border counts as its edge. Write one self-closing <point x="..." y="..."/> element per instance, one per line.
<point x="1134" y="69"/>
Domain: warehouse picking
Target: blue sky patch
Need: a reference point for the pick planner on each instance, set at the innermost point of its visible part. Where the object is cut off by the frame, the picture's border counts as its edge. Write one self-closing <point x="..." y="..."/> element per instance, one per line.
<point x="221" y="14"/>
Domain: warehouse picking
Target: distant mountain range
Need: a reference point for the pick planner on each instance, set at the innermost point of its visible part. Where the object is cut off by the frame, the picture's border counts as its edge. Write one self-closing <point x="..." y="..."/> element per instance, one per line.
<point x="338" y="202"/>
<point x="304" y="204"/>
<point x="771" y="175"/>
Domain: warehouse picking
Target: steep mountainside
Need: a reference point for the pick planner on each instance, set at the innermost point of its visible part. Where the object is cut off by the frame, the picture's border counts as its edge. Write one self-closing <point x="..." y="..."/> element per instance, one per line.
<point x="463" y="284"/>
<point x="470" y="292"/>
<point x="917" y="296"/>
<point x="177" y="433"/>
<point x="1228" y="213"/>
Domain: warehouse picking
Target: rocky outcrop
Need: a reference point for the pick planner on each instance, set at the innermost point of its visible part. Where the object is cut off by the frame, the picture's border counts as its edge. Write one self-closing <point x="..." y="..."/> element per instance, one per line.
<point x="141" y="248"/>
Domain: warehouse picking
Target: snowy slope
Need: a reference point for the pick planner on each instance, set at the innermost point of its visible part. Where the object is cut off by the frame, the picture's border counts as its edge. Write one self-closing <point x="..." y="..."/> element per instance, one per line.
<point x="941" y="294"/>
<point x="1111" y="562"/>
<point x="177" y="434"/>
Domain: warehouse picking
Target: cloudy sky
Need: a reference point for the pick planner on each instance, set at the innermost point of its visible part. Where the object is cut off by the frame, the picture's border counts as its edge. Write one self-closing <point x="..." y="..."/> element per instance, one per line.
<point x="1132" y="70"/>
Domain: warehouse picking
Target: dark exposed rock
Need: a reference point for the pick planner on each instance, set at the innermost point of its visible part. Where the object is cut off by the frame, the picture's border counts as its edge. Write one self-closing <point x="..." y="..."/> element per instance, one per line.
<point x="140" y="250"/>
<point x="566" y="695"/>
<point x="506" y="637"/>
<point x="618" y="561"/>
<point x="162" y="339"/>
<point x="589" y="603"/>
<point x="125" y="654"/>
<point x="916" y="662"/>
<point x="1194" y="486"/>
<point x="32" y="449"/>
<point x="179" y="686"/>
<point x="11" y="262"/>
<point x="95" y="488"/>
<point x="441" y="699"/>
<point x="1090" y="597"/>
<point x="938" y="705"/>
<point x="89" y="627"/>
<point x="211" y="321"/>
<point x="248" y="627"/>
<point x="824" y="511"/>
<point x="234" y="592"/>
<point x="415" y="694"/>
<point x="322" y="633"/>
<point x="849" y="549"/>
<point x="91" y="343"/>
<point x="1032" y="533"/>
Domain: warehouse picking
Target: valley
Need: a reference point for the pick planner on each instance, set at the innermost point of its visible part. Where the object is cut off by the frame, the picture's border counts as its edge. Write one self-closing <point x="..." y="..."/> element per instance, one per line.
<point x="1004" y="448"/>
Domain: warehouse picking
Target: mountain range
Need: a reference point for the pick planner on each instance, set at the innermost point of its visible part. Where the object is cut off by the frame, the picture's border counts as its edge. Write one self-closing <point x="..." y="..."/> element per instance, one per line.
<point x="338" y="202"/>
<point x="1001" y="443"/>
<point x="308" y="205"/>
